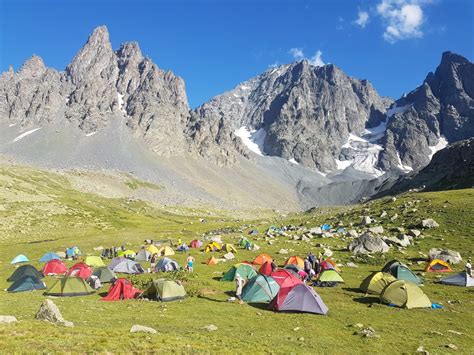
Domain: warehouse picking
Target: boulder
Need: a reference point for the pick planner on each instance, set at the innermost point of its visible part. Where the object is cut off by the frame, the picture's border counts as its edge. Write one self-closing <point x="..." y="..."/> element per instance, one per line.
<point x="49" y="312"/>
<point x="401" y="240"/>
<point x="367" y="243"/>
<point x="383" y="214"/>
<point x="352" y="233"/>
<point x="316" y="231"/>
<point x="328" y="252"/>
<point x="414" y="233"/>
<point x="7" y="319"/>
<point x="366" y="220"/>
<point x="450" y="256"/>
<point x="283" y="251"/>
<point x="210" y="328"/>
<point x="142" y="329"/>
<point x="376" y="230"/>
<point x="429" y="223"/>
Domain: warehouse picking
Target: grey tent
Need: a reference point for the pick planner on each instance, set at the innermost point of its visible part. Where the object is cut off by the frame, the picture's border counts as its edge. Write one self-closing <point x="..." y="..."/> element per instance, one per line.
<point x="104" y="274"/>
<point x="301" y="298"/>
<point x="166" y="264"/>
<point x="143" y="255"/>
<point x="25" y="270"/>
<point x="128" y="267"/>
<point x="116" y="261"/>
<point x="27" y="283"/>
<point x="461" y="279"/>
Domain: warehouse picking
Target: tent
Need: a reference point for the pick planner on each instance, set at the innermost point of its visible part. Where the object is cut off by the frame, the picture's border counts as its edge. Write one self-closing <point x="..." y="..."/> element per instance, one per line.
<point x="54" y="267"/>
<point x="19" y="259"/>
<point x="72" y="251"/>
<point x="24" y="270"/>
<point x="401" y="272"/>
<point x="376" y="282"/>
<point x="212" y="246"/>
<point x="143" y="255"/>
<point x="121" y="289"/>
<point x="437" y="265"/>
<point x="461" y="279"/>
<point x="27" y="283"/>
<point x="166" y="264"/>
<point x="69" y="286"/>
<point x="330" y="276"/>
<point x="61" y="254"/>
<point x="212" y="261"/>
<point x="183" y="248"/>
<point x="253" y="232"/>
<point x="244" y="270"/>
<point x="164" y="290"/>
<point x="115" y="261"/>
<point x="152" y="249"/>
<point x="260" y="288"/>
<point x="80" y="270"/>
<point x="404" y="294"/>
<point x="300" y="298"/>
<point x="326" y="227"/>
<point x="165" y="251"/>
<point x="195" y="244"/>
<point x="330" y="264"/>
<point x="266" y="268"/>
<point x="94" y="261"/>
<point x="104" y="274"/>
<point x="48" y="257"/>
<point x="129" y="254"/>
<point x="296" y="260"/>
<point x="229" y="248"/>
<point x="262" y="259"/>
<point x="286" y="279"/>
<point x="128" y="267"/>
<point x="244" y="242"/>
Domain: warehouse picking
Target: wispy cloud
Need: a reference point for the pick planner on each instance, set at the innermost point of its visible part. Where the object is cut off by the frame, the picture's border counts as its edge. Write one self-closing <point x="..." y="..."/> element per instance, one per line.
<point x="315" y="60"/>
<point x="340" y="23"/>
<point x="297" y="53"/>
<point x="362" y="19"/>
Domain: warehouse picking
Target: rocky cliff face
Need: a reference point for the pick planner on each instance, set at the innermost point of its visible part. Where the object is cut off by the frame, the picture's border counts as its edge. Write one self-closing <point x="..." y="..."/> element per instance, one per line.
<point x="438" y="112"/>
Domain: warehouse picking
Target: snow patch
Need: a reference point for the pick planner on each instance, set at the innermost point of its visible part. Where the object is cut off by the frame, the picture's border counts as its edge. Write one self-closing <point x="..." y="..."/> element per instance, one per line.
<point x="91" y="134"/>
<point x="442" y="143"/>
<point x="23" y="135"/>
<point x="121" y="102"/>
<point x="343" y="164"/>
<point x="405" y="168"/>
<point x="293" y="161"/>
<point x="253" y="140"/>
<point x="394" y="110"/>
<point x="12" y="125"/>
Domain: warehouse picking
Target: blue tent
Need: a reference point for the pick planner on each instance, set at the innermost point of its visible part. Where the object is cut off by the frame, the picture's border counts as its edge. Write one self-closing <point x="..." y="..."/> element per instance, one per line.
<point x="183" y="248"/>
<point x="49" y="256"/>
<point x="70" y="252"/>
<point x="27" y="283"/>
<point x="19" y="259"/>
<point x="326" y="227"/>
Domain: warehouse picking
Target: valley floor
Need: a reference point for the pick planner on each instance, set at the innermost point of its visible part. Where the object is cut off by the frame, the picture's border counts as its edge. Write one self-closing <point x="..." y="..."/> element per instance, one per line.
<point x="41" y="212"/>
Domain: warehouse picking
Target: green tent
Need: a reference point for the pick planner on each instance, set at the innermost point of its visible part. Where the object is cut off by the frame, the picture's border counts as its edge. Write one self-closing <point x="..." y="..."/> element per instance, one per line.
<point x="401" y="272"/>
<point x="405" y="294"/>
<point x="244" y="270"/>
<point x="260" y="288"/>
<point x="25" y="270"/>
<point x="94" y="261"/>
<point x="69" y="286"/>
<point x="330" y="276"/>
<point x="27" y="283"/>
<point x="164" y="290"/>
<point x="376" y="282"/>
<point x="104" y="274"/>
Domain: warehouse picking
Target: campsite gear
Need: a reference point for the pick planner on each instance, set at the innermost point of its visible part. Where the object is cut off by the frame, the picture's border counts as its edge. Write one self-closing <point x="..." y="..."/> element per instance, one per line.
<point x="376" y="282"/>
<point x="61" y="254"/>
<point x="94" y="282"/>
<point x="80" y="270"/>
<point x="245" y="271"/>
<point x="212" y="261"/>
<point x="27" y="283"/>
<point x="229" y="248"/>
<point x="69" y="286"/>
<point x="437" y="265"/>
<point x="94" y="261"/>
<point x="299" y="298"/>
<point x="266" y="268"/>
<point x="253" y="232"/>
<point x="152" y="249"/>
<point x="129" y="254"/>
<point x="72" y="252"/>
<point x="115" y="261"/>
<point x="212" y="246"/>
<point x="121" y="289"/>
<point x="245" y="243"/>
<point x="165" y="251"/>
<point x="48" y="257"/>
<point x="24" y="270"/>
<point x="260" y="288"/>
<point x="405" y="294"/>
<point x="164" y="290"/>
<point x="19" y="259"/>
<point x="104" y="274"/>
<point x="401" y="272"/>
<point x="143" y="255"/>
<point x="326" y="227"/>
<point x="262" y="259"/>
<point x="461" y="279"/>
<point x="183" y="248"/>
<point x="195" y="244"/>
<point x="54" y="267"/>
<point x="286" y="279"/>
<point x="329" y="264"/>
<point x="296" y="260"/>
<point x="166" y="265"/>
<point x="128" y="267"/>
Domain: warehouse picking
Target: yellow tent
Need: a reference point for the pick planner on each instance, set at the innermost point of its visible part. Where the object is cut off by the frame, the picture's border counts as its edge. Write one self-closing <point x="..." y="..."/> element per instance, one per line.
<point x="94" y="261"/>
<point x="166" y="251"/>
<point x="127" y="253"/>
<point x="152" y="249"/>
<point x="212" y="246"/>
<point x="229" y="248"/>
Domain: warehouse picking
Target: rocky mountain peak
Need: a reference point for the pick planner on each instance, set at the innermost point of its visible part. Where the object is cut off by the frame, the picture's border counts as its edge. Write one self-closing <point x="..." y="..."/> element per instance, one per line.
<point x="33" y="67"/>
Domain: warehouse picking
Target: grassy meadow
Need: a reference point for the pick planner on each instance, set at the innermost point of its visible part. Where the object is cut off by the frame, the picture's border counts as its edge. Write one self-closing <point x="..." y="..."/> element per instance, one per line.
<point x="41" y="212"/>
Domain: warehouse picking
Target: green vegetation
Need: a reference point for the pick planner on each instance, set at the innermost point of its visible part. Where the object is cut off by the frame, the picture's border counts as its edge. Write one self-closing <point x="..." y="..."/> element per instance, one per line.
<point x="41" y="212"/>
<point x="134" y="184"/>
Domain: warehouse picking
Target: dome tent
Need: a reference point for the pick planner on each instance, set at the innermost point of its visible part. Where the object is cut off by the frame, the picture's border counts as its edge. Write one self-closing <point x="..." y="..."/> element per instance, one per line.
<point x="405" y="294"/>
<point x="80" y="270"/>
<point x="49" y="256"/>
<point x="104" y="274"/>
<point x="376" y="282"/>
<point x="244" y="270"/>
<point x="69" y="287"/>
<point x="54" y="267"/>
<point x="401" y="272"/>
<point x="300" y="298"/>
<point x="260" y="288"/>
<point x="19" y="259"/>
<point x="164" y="290"/>
<point x="460" y="279"/>
<point x="437" y="265"/>
<point x="27" y="283"/>
<point x="24" y="270"/>
<point x="166" y="265"/>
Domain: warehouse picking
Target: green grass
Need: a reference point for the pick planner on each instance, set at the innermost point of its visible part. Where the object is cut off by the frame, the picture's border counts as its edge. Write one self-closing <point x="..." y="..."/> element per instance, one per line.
<point x="135" y="184"/>
<point x="42" y="212"/>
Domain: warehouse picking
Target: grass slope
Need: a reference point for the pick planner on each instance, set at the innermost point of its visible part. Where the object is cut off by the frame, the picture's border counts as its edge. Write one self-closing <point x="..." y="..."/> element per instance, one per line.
<point x="40" y="212"/>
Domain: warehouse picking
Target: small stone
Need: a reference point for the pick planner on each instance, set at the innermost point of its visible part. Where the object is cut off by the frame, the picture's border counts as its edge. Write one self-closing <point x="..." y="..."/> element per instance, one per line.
<point x="422" y="350"/>
<point x="301" y="339"/>
<point x="283" y="251"/>
<point x="351" y="264"/>
<point x="366" y="220"/>
<point x="8" y="319"/>
<point x="394" y="217"/>
<point x="429" y="223"/>
<point x="376" y="230"/>
<point x="210" y="328"/>
<point x="452" y="346"/>
<point x="142" y="329"/>
<point x="455" y="332"/>
<point x="358" y="325"/>
<point x="383" y="214"/>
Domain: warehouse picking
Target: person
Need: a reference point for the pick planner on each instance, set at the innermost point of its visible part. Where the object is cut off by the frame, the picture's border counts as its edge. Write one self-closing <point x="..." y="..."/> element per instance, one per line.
<point x="190" y="263"/>
<point x="239" y="285"/>
<point x="308" y="268"/>
<point x="469" y="267"/>
<point x="312" y="260"/>
<point x="274" y="265"/>
<point x="153" y="262"/>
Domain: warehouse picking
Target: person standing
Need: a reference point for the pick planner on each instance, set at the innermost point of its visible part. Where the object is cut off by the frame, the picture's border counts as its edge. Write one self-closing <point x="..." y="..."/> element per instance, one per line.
<point x="469" y="267"/>
<point x="239" y="285"/>
<point x="190" y="263"/>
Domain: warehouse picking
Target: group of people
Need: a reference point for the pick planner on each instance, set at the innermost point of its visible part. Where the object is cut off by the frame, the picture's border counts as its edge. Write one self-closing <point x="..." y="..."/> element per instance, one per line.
<point x="312" y="266"/>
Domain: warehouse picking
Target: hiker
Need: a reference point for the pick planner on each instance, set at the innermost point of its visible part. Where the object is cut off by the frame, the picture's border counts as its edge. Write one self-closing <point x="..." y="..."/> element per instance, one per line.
<point x="239" y="285"/>
<point x="153" y="262"/>
<point x="273" y="265"/>
<point x="308" y="268"/>
<point x="190" y="263"/>
<point x="312" y="260"/>
<point x="469" y="267"/>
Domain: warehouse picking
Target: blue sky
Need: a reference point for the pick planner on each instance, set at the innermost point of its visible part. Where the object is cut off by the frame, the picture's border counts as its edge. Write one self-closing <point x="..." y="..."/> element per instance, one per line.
<point x="216" y="44"/>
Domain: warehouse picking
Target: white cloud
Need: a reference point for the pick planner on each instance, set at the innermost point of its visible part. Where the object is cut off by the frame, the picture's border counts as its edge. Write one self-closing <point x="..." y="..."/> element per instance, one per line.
<point x="297" y="53"/>
<point x="403" y="18"/>
<point x="317" y="59"/>
<point x="362" y="19"/>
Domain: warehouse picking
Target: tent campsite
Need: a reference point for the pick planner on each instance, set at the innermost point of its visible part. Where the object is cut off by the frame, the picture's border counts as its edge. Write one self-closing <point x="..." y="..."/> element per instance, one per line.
<point x="122" y="289"/>
<point x="104" y="274"/>
<point x="166" y="265"/>
<point x="299" y="298"/>
<point x="460" y="279"/>
<point x="94" y="261"/>
<point x="80" y="270"/>
<point x="376" y="282"/>
<point x="262" y="259"/>
<point x="24" y="270"/>
<point x="48" y="257"/>
<point x="164" y="290"/>
<point x="128" y="267"/>
<point x="260" y="288"/>
<point x="54" y="267"/>
<point x="295" y="260"/>
<point x="437" y="265"/>
<point x="244" y="270"/>
<point x="27" y="283"/>
<point x="404" y="294"/>
<point x="19" y="259"/>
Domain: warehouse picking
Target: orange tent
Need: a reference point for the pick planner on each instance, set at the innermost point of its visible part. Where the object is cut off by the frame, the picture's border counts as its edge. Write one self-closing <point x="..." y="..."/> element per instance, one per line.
<point x="212" y="261"/>
<point x="437" y="265"/>
<point x="261" y="259"/>
<point x="295" y="260"/>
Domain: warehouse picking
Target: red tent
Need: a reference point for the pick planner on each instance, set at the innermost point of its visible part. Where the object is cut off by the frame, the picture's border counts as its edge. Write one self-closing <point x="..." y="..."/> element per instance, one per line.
<point x="54" y="267"/>
<point x="286" y="279"/>
<point x="266" y="268"/>
<point x="122" y="289"/>
<point x="80" y="270"/>
<point x="195" y="244"/>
